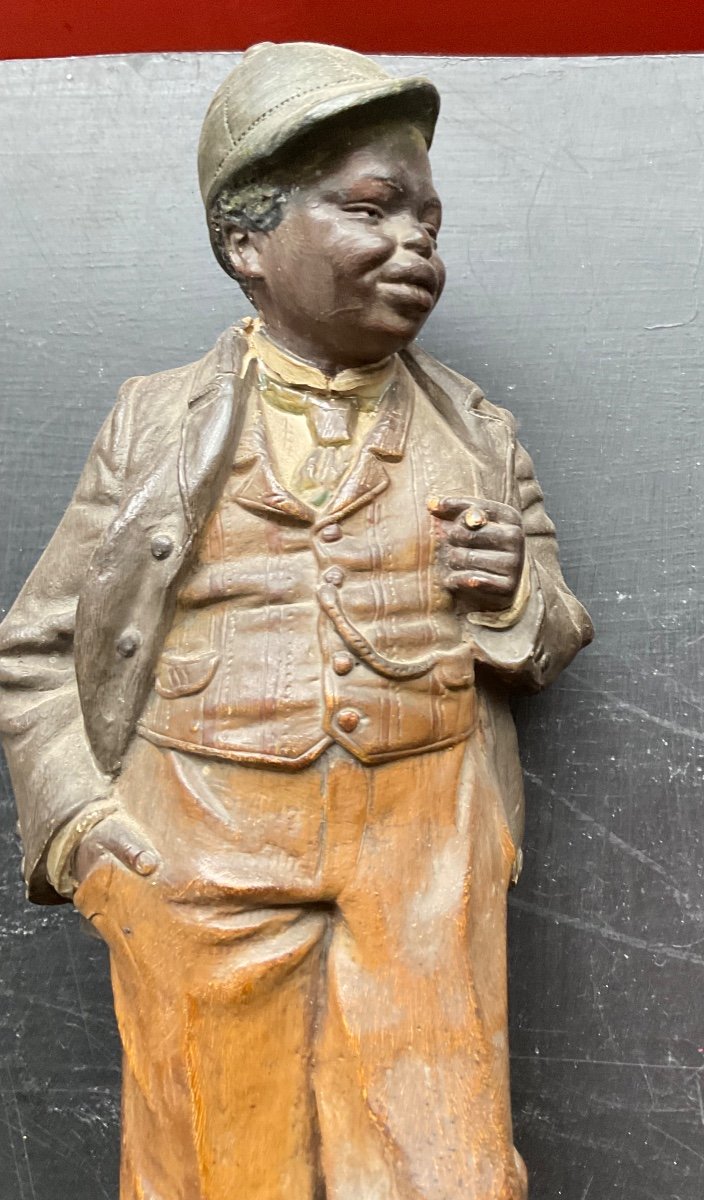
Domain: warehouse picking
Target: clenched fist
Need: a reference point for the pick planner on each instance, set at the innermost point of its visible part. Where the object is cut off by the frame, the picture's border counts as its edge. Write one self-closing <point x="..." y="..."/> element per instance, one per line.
<point x="483" y="550"/>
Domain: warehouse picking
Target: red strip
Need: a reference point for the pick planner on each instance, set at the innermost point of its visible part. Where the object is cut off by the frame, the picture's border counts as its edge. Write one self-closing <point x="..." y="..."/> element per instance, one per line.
<point x="47" y="28"/>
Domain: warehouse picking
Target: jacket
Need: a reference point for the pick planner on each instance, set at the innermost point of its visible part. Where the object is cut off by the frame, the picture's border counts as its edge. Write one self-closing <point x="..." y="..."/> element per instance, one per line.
<point x="79" y="647"/>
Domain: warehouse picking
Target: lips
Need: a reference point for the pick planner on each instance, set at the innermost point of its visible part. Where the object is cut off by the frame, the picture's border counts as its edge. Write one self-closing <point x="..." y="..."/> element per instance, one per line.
<point x="420" y="275"/>
<point x="413" y="287"/>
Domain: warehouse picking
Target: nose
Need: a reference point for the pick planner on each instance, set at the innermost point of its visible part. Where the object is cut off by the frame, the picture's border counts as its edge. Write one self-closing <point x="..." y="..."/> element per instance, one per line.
<point x="417" y="238"/>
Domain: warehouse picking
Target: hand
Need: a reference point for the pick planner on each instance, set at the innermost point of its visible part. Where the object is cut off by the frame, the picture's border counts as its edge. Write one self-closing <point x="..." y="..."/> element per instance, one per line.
<point x="484" y="550"/>
<point x="121" y="838"/>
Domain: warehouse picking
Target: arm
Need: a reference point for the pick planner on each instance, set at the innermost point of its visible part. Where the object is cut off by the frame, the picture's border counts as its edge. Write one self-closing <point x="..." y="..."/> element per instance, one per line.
<point x="54" y="774"/>
<point x="540" y="634"/>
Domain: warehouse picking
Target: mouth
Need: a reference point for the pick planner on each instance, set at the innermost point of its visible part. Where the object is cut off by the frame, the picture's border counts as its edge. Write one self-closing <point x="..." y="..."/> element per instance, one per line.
<point x="415" y="288"/>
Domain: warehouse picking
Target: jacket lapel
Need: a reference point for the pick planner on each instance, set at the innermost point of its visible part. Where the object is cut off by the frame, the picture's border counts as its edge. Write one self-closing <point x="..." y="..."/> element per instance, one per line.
<point x="256" y="484"/>
<point x="127" y="596"/>
<point x="211" y="429"/>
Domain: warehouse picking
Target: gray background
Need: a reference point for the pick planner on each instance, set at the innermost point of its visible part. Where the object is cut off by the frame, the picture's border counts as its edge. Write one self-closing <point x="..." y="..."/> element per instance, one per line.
<point x="573" y="237"/>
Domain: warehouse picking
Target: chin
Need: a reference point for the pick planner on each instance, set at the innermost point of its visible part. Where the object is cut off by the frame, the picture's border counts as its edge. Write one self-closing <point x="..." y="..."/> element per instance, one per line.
<point x="399" y="333"/>
<point x="388" y="335"/>
<point x="374" y="348"/>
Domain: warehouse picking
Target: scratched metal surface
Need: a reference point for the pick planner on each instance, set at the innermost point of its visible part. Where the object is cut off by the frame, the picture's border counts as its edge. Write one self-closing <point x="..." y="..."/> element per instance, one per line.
<point x="574" y="244"/>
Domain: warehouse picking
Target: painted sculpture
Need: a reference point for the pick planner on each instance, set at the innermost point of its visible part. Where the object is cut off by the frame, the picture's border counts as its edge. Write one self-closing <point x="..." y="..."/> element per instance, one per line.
<point x="255" y="692"/>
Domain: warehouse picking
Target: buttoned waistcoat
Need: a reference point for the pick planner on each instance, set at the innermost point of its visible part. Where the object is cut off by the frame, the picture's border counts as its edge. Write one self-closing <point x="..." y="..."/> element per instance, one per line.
<point x="79" y="649"/>
<point x="295" y="628"/>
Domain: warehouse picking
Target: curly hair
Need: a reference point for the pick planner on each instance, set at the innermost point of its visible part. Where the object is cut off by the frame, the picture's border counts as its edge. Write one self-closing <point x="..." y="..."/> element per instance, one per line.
<point x="254" y="205"/>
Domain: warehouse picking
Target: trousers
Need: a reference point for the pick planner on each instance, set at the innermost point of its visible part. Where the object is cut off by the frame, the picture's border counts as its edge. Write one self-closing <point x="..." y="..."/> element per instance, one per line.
<point x="311" y="988"/>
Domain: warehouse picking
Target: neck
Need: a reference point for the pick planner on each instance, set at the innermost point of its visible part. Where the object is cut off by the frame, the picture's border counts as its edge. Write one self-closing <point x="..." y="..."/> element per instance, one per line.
<point x="280" y="366"/>
<point x="314" y="355"/>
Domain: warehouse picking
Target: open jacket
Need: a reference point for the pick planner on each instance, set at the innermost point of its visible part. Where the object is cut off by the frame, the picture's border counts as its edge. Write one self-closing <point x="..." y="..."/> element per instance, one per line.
<point x="78" y="648"/>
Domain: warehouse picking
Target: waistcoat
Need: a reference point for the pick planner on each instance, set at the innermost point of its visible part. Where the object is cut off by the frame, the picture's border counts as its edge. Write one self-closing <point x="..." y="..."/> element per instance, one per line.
<point x="296" y="628"/>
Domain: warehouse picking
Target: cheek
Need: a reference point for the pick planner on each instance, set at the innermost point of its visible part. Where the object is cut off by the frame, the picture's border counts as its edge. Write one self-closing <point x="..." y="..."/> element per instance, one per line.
<point x="352" y="250"/>
<point x="366" y="253"/>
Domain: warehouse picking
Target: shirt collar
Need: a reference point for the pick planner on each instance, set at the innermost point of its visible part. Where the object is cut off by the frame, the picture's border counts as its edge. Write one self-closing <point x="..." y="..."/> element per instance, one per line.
<point x="388" y="436"/>
<point x="285" y="369"/>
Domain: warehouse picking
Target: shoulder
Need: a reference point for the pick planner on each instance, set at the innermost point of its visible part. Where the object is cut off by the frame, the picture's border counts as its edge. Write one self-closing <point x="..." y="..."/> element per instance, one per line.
<point x="464" y="393"/>
<point x="150" y="409"/>
<point x="174" y="388"/>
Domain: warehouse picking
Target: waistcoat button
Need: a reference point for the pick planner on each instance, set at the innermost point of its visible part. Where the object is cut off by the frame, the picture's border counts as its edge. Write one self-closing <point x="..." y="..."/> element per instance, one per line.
<point x="331" y="533"/>
<point x="348" y="719"/>
<point x="128" y="643"/>
<point x="342" y="663"/>
<point x="161" y="545"/>
<point x="335" y="576"/>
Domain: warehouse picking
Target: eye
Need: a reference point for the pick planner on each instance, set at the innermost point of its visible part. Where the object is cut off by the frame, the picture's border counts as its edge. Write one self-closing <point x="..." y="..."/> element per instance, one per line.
<point x="364" y="209"/>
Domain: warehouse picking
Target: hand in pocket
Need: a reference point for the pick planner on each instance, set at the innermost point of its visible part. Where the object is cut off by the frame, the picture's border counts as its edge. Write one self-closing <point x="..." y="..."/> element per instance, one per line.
<point x="119" y="838"/>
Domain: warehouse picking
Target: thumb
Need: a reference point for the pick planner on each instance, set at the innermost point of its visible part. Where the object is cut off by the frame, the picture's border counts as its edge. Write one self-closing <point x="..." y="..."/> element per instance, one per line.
<point x="449" y="508"/>
<point x="127" y="842"/>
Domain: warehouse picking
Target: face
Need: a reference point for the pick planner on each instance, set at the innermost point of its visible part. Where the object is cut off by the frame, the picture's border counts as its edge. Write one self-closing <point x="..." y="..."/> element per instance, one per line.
<point x="352" y="271"/>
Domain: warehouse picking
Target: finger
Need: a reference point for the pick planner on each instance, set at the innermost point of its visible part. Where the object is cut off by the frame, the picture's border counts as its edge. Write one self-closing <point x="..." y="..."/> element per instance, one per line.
<point x="491" y="562"/>
<point x="489" y="537"/>
<point x="496" y="586"/>
<point x="129" y="846"/>
<point x="452" y="507"/>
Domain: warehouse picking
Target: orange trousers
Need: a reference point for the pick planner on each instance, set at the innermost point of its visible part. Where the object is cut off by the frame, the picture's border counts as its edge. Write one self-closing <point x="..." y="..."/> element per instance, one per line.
<point x="311" y="989"/>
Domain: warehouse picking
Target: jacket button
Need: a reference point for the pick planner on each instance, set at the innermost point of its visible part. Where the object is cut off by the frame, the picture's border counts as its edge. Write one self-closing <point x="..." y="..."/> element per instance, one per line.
<point x="342" y="663"/>
<point x="335" y="576"/>
<point x="128" y="643"/>
<point x="332" y="532"/>
<point x="348" y="719"/>
<point x="161" y="545"/>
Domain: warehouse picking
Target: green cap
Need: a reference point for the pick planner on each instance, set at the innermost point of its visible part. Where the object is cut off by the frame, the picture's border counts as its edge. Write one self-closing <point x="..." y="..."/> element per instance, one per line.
<point x="279" y="91"/>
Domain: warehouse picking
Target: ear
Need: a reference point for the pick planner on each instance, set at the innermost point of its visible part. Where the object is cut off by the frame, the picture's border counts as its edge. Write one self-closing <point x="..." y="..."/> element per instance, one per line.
<point x="243" y="248"/>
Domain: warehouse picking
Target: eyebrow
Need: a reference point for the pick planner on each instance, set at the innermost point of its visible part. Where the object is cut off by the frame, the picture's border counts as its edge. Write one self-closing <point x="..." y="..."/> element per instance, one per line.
<point x="376" y="177"/>
<point x="391" y="181"/>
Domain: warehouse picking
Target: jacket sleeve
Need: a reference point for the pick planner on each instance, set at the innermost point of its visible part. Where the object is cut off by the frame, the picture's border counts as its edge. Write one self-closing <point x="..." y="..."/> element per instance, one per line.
<point x="551" y="625"/>
<point x="53" y="771"/>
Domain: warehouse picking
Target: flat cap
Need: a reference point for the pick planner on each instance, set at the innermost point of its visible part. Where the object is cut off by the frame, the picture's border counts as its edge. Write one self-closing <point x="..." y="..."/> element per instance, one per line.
<point x="278" y="92"/>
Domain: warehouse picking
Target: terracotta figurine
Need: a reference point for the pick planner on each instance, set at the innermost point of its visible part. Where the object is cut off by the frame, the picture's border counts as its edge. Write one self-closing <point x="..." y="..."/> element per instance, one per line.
<point x="255" y="692"/>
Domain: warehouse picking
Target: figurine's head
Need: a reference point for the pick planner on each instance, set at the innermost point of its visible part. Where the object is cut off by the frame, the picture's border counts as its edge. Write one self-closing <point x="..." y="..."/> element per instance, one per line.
<point x="315" y="176"/>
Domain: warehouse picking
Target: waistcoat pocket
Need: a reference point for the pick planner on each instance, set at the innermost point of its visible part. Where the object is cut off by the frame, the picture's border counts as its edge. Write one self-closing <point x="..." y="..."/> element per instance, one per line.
<point x="184" y="674"/>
